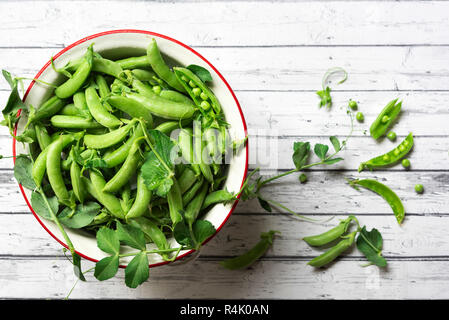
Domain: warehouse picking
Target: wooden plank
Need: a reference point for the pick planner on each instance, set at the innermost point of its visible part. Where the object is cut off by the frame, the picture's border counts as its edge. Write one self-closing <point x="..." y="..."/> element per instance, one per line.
<point x="297" y="68"/>
<point x="324" y="193"/>
<point x="23" y="236"/>
<point x="297" y="113"/>
<point x="289" y="279"/>
<point x="256" y="23"/>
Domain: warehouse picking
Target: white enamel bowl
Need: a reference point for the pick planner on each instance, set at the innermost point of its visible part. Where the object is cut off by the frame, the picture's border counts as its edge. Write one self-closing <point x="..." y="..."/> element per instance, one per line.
<point x="122" y="43"/>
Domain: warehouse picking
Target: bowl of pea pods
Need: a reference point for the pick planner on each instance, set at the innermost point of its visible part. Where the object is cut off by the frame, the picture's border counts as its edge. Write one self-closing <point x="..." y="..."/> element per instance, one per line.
<point x="135" y="148"/>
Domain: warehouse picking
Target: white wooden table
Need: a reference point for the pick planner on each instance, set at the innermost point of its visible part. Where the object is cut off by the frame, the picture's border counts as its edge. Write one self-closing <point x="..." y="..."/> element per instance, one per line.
<point x="274" y="55"/>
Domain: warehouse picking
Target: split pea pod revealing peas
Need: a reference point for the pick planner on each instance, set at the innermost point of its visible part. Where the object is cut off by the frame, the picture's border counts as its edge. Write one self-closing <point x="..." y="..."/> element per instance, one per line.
<point x="385" y="119"/>
<point x="390" y="157"/>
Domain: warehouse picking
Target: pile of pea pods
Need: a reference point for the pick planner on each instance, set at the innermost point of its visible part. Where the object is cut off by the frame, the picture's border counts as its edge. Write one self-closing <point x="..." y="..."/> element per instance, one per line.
<point x="129" y="137"/>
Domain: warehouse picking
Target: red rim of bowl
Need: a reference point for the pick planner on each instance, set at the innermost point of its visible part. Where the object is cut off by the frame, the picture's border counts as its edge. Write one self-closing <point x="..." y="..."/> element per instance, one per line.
<point x="160" y="36"/>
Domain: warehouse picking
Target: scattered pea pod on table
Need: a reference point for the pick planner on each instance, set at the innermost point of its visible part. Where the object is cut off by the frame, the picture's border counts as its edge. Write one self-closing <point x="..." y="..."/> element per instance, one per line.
<point x="391" y="157"/>
<point x="385" y="192"/>
<point x="103" y="141"/>
<point x="385" y="119"/>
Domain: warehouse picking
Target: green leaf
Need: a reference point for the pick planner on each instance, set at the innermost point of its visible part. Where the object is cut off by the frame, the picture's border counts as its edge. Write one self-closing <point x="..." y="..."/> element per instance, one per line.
<point x="40" y="207"/>
<point x="325" y="96"/>
<point x="23" y="172"/>
<point x="321" y="150"/>
<point x="264" y="204"/>
<point x="137" y="270"/>
<point x="14" y="103"/>
<point x="370" y="244"/>
<point x="332" y="161"/>
<point x="82" y="216"/>
<point x="77" y="266"/>
<point x="203" y="229"/>
<point x="131" y="236"/>
<point x="301" y="152"/>
<point x="106" y="268"/>
<point x="182" y="235"/>
<point x="95" y="163"/>
<point x="108" y="241"/>
<point x="201" y="72"/>
<point x="157" y="171"/>
<point x="335" y="143"/>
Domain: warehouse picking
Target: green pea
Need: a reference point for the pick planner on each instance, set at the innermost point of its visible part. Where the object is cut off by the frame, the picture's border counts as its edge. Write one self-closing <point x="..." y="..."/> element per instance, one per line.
<point x="385" y="119"/>
<point x="392" y="136"/>
<point x="196" y="92"/>
<point x="419" y="188"/>
<point x="157" y="89"/>
<point x="386" y="157"/>
<point x="353" y="105"/>
<point x="204" y="96"/>
<point x="406" y="143"/>
<point x="401" y="148"/>
<point x="303" y="178"/>
<point x="205" y="105"/>
<point x="184" y="78"/>
<point x="192" y="84"/>
<point x="396" y="152"/>
<point x="359" y="116"/>
<point x="405" y="163"/>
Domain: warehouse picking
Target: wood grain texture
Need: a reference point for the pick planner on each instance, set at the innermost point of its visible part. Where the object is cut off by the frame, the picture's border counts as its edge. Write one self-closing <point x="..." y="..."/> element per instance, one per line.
<point x="273" y="54"/>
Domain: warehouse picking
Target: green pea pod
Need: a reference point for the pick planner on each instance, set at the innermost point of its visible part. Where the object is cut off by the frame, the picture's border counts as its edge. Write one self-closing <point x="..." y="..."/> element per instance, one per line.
<point x="142" y="200"/>
<point x="40" y="164"/>
<point x="104" y="90"/>
<point x="131" y="107"/>
<point x="175" y="96"/>
<point x="69" y="110"/>
<point x="72" y="85"/>
<point x="134" y="62"/>
<point x="385" y="192"/>
<point x="126" y="170"/>
<point x="54" y="173"/>
<point x="168" y="127"/>
<point x="198" y="148"/>
<point x="143" y="75"/>
<point x="186" y="180"/>
<point x="333" y="252"/>
<point x="190" y="194"/>
<point x="175" y="203"/>
<point x="385" y="119"/>
<point x="193" y="207"/>
<point x="77" y="183"/>
<point x="219" y="196"/>
<point x="105" y="198"/>
<point x="152" y="231"/>
<point x="390" y="157"/>
<point x="79" y="100"/>
<point x="98" y="111"/>
<point x="47" y="109"/>
<point x="330" y="235"/>
<point x="190" y="81"/>
<point x="43" y="138"/>
<point x="161" y="107"/>
<point x="160" y="67"/>
<point x="73" y="122"/>
<point x="107" y="66"/>
<point x="248" y="258"/>
<point x="119" y="155"/>
<point x="103" y="141"/>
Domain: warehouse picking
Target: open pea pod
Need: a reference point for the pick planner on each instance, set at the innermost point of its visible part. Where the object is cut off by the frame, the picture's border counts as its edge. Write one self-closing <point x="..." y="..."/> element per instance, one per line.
<point x="197" y="89"/>
<point x="385" y="119"/>
<point x="390" y="157"/>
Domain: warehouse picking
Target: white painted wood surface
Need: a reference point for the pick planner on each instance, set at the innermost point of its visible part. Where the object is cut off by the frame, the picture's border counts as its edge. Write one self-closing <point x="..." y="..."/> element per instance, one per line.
<point x="273" y="54"/>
